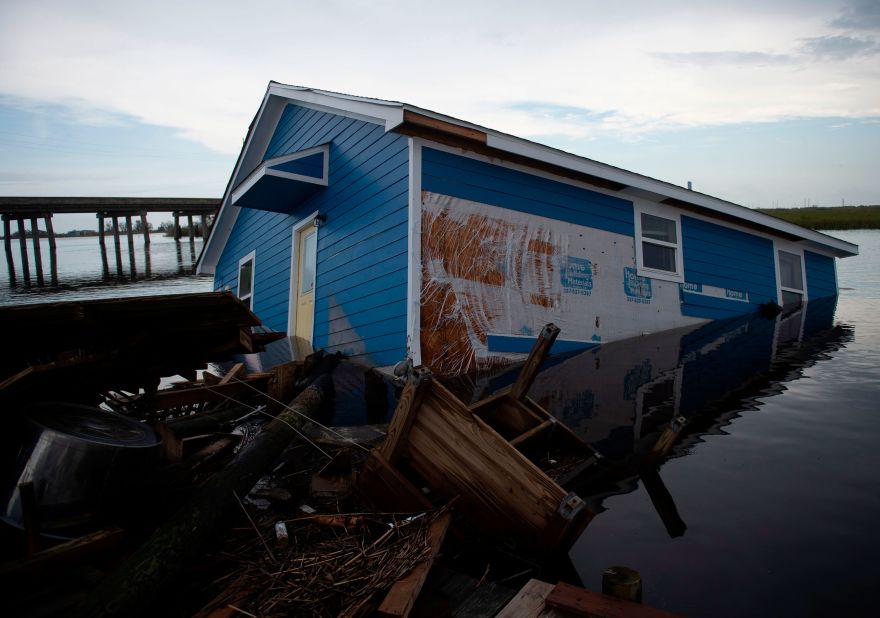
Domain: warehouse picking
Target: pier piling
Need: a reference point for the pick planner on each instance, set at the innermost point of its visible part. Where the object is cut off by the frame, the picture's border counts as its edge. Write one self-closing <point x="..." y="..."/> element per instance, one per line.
<point x="116" y="243"/>
<point x="130" y="233"/>
<point x="146" y="229"/>
<point x="22" y="243"/>
<point x="53" y="256"/>
<point x="38" y="254"/>
<point x="190" y="230"/>
<point x="7" y="244"/>
<point x="176" y="226"/>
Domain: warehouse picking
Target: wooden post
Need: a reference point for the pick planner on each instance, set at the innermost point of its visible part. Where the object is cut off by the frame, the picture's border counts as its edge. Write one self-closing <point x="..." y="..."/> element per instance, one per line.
<point x="204" y="228"/>
<point x="189" y="229"/>
<point x="536" y="357"/>
<point x="7" y="244"/>
<point x="38" y="255"/>
<point x="667" y="439"/>
<point x="177" y="226"/>
<point x="105" y="266"/>
<point x="146" y="229"/>
<point x="22" y="243"/>
<point x="53" y="257"/>
<point x="130" y="233"/>
<point x="622" y="583"/>
<point x="117" y="245"/>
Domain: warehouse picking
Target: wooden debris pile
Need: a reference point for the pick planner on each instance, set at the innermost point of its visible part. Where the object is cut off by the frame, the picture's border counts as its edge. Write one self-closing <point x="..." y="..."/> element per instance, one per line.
<point x="333" y="565"/>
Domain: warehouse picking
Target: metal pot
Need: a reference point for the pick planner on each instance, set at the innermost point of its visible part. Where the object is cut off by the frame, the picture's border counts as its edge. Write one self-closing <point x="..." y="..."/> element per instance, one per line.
<point x="79" y="459"/>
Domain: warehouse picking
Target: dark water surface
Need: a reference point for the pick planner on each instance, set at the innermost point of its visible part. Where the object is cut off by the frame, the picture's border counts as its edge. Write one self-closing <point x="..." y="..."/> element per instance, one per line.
<point x="768" y="505"/>
<point x="777" y="476"/>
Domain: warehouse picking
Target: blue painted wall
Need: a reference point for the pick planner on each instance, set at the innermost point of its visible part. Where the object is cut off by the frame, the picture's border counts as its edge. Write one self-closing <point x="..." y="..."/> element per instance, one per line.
<point x="360" y="293"/>
<point x="477" y="181"/>
<point x="821" y="278"/>
<point x="722" y="257"/>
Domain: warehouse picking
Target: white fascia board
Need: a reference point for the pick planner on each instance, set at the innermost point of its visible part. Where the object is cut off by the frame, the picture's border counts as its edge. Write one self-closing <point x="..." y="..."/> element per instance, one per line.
<point x="525" y="148"/>
<point x="388" y="113"/>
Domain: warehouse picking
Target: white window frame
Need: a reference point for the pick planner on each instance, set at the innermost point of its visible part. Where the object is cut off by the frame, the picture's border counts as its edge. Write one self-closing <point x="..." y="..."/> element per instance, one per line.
<point x="662" y="212"/>
<point x="252" y="257"/>
<point x="789" y="247"/>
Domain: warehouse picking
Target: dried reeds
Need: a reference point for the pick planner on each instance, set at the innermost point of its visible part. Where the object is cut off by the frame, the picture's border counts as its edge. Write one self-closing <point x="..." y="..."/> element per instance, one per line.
<point x="327" y="569"/>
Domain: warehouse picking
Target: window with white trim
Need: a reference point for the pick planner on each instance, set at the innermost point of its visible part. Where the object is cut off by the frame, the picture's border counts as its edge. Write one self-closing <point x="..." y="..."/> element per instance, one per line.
<point x="791" y="278"/>
<point x="658" y="246"/>
<point x="246" y="279"/>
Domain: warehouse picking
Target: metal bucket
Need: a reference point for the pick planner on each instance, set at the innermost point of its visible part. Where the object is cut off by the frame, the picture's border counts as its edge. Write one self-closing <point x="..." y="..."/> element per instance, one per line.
<point x="80" y="460"/>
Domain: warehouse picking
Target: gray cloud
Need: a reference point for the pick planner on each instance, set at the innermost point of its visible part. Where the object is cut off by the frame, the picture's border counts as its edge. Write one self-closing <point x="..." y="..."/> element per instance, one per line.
<point x="839" y="47"/>
<point x="859" y="15"/>
<point x="739" y="58"/>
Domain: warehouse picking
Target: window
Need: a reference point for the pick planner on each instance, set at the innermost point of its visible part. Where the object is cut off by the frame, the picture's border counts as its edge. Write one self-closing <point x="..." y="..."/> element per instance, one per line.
<point x="658" y="248"/>
<point x="307" y="276"/>
<point x="791" y="278"/>
<point x="246" y="279"/>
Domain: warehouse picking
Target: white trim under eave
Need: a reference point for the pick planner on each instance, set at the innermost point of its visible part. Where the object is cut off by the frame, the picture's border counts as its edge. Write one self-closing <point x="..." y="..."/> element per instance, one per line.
<point x="414" y="254"/>
<point x="265" y="169"/>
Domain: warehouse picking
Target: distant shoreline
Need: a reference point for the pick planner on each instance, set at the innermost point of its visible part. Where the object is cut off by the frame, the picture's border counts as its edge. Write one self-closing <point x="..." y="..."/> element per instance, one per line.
<point x="829" y="217"/>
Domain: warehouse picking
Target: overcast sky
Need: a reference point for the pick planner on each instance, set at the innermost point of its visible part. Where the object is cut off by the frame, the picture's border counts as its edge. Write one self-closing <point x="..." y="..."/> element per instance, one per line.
<point x="765" y="103"/>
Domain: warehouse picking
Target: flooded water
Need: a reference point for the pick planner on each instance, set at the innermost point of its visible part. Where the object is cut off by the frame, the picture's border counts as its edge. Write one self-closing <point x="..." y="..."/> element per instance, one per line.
<point x="770" y="502"/>
<point x="166" y="268"/>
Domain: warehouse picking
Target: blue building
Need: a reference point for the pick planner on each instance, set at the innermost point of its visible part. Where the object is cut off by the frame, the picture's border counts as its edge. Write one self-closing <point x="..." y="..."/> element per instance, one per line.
<point x="387" y="231"/>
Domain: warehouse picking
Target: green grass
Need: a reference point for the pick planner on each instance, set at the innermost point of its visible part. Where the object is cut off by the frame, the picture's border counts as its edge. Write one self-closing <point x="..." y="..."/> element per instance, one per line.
<point x="830" y="217"/>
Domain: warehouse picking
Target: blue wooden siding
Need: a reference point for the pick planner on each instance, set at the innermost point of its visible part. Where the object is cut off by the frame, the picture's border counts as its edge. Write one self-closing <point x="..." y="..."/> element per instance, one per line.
<point x="361" y="280"/>
<point x="722" y="257"/>
<point x="477" y="181"/>
<point x="821" y="279"/>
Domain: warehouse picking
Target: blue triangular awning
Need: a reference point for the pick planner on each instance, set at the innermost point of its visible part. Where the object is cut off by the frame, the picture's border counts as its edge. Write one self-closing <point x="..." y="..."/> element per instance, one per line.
<point x="280" y="184"/>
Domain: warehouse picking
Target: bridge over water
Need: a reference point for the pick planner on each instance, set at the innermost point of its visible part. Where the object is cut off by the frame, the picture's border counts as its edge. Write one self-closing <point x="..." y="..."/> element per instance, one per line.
<point x="30" y="210"/>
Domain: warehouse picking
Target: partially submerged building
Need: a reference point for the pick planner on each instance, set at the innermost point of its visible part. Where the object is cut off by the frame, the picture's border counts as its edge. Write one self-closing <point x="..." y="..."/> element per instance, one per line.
<point x="385" y="231"/>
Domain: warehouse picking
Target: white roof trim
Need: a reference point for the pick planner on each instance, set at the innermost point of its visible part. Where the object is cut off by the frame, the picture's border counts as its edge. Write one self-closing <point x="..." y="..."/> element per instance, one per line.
<point x="390" y="114"/>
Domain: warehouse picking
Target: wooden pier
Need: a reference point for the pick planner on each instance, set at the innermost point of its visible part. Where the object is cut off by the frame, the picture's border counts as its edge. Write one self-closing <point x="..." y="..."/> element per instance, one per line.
<point x="33" y="209"/>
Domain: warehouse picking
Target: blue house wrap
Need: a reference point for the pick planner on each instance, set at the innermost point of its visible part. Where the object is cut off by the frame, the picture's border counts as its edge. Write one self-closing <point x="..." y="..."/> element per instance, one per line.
<point x="385" y="231"/>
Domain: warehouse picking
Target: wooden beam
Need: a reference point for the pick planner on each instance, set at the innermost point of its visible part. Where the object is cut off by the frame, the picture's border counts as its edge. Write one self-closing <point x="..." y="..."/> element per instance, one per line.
<point x="174" y="398"/>
<point x="531" y="433"/>
<point x="538" y="354"/>
<point x="238" y="371"/>
<point x="405" y="414"/>
<point x="72" y="552"/>
<point x="580" y="602"/>
<point x="443" y="126"/>
<point x="399" y="601"/>
<point x="528" y="602"/>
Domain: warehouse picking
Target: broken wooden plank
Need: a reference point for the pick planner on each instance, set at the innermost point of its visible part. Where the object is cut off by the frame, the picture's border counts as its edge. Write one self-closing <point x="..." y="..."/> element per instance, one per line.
<point x="528" y="602"/>
<point x="237" y="371"/>
<point x="405" y="414"/>
<point x="72" y="552"/>
<point x="582" y="602"/>
<point x="403" y="594"/>
<point x="536" y="358"/>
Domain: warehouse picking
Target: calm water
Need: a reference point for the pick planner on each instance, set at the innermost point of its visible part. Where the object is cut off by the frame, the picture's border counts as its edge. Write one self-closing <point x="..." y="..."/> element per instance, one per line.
<point x="776" y="481"/>
<point x="166" y="269"/>
<point x="769" y="504"/>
